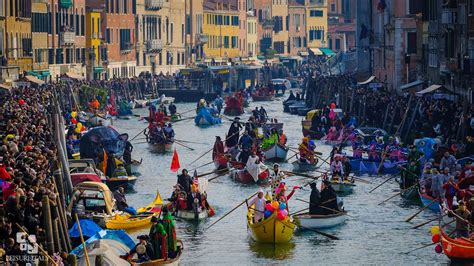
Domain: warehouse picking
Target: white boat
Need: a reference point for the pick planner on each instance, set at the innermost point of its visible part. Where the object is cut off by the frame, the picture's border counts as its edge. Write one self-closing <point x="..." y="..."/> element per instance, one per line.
<point x="140" y="103"/>
<point x="316" y="221"/>
<point x="192" y="215"/>
<point x="299" y="166"/>
<point x="344" y="187"/>
<point x="98" y="120"/>
<point x="276" y="152"/>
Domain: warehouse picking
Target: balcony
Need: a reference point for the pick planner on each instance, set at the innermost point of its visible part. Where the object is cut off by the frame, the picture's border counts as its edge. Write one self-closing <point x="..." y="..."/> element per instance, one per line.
<point x="67" y="38"/>
<point x="449" y="17"/>
<point x="267" y="23"/>
<point x="202" y="38"/>
<point x="125" y="48"/>
<point x="154" y="46"/>
<point x="153" y="4"/>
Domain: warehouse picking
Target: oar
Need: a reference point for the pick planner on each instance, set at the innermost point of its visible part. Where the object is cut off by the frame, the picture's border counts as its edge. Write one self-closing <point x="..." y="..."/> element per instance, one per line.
<point x="361" y="180"/>
<point x="187" y="141"/>
<point x="421" y="210"/>
<point x="333" y="237"/>
<point x="379" y="185"/>
<point x="82" y="240"/>
<point x="219" y="175"/>
<point x="185" y="112"/>
<point x="403" y="190"/>
<point x="291" y="157"/>
<point x="429" y="221"/>
<point x="296" y="150"/>
<point x="181" y="144"/>
<point x="139" y="133"/>
<point x="422" y="247"/>
<point x="238" y="132"/>
<point x="329" y="209"/>
<point x="235" y="208"/>
<point x="296" y="212"/>
<point x="184" y="119"/>
<point x="201" y="166"/>
<point x="213" y="172"/>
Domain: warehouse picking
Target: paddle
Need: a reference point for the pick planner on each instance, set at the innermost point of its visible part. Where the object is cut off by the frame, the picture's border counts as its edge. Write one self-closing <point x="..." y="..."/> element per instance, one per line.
<point x="403" y="190"/>
<point x="362" y="180"/>
<point x="223" y="174"/>
<point x="427" y="245"/>
<point x="138" y="134"/>
<point x="184" y="119"/>
<point x="317" y="231"/>
<point x="181" y="144"/>
<point x="187" y="141"/>
<point x="422" y="209"/>
<point x="379" y="185"/>
<point x="429" y="221"/>
<point x="201" y="166"/>
<point x="291" y="157"/>
<point x="235" y="208"/>
<point x="185" y="112"/>
<point x="213" y="172"/>
<point x="238" y="132"/>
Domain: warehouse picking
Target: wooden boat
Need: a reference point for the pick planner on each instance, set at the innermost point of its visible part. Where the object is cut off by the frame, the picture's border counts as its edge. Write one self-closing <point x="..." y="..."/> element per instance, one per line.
<point x="241" y="175"/>
<point x="267" y="127"/>
<point x="343" y="188"/>
<point x="295" y="107"/>
<point x="153" y="207"/>
<point x="169" y="262"/>
<point x="270" y="230"/>
<point x="315" y="221"/>
<point x="98" y="120"/>
<point x="299" y="166"/>
<point x="276" y="152"/>
<point x="263" y="94"/>
<point x="457" y="248"/>
<point x="192" y="215"/>
<point x="94" y="200"/>
<point x="161" y="147"/>
<point x="427" y="199"/>
<point x="410" y="194"/>
<point x="362" y="166"/>
<point x="220" y="161"/>
<point x="126" y="182"/>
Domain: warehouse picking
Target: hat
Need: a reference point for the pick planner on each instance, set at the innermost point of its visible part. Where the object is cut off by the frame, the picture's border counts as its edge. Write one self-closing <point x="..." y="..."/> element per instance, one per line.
<point x="312" y="184"/>
<point x="236" y="118"/>
<point x="260" y="191"/>
<point x="276" y="165"/>
<point x="142" y="237"/>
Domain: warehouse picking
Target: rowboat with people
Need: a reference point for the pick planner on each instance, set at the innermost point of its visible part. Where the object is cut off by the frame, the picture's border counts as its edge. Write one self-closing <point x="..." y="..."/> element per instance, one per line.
<point x="221" y="161"/>
<point x="276" y="152"/>
<point x="344" y="187"/>
<point x="304" y="166"/>
<point x="271" y="229"/>
<point x="263" y="94"/>
<point x="159" y="262"/>
<point x="240" y="174"/>
<point x="427" y="200"/>
<point x="457" y="249"/>
<point x="316" y="221"/>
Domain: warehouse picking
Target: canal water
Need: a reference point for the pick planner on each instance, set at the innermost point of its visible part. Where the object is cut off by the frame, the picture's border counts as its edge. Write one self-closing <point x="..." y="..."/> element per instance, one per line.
<point x="372" y="235"/>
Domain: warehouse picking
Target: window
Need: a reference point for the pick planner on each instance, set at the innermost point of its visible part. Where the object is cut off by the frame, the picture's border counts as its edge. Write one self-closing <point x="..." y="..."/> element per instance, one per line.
<point x="182" y="33"/>
<point x="297" y="21"/>
<point x="338" y="44"/>
<point x="278" y="24"/>
<point x="415" y="7"/>
<point x="470" y="47"/>
<point x="287" y="22"/>
<point x="333" y="7"/>
<point x="316" y="13"/>
<point x="172" y="31"/>
<point x="125" y="41"/>
<point x="226" y="41"/>
<point x="227" y="20"/>
<point x="188" y="24"/>
<point x="107" y="35"/>
<point x="316" y="34"/>
<point x="235" y="21"/>
<point x="78" y="54"/>
<point x="411" y="43"/>
<point x="471" y="8"/>
<point x="125" y="6"/>
<point x="449" y="44"/>
<point x="279" y="47"/>
<point x="234" y="41"/>
<point x="82" y="24"/>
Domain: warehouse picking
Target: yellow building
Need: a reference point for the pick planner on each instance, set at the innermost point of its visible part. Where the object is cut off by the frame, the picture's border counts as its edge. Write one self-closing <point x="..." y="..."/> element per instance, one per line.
<point x="252" y="36"/>
<point x="280" y="29"/>
<point x="18" y="36"/>
<point x="39" y="32"/>
<point x="316" y="23"/>
<point x="221" y="25"/>
<point x="93" y="44"/>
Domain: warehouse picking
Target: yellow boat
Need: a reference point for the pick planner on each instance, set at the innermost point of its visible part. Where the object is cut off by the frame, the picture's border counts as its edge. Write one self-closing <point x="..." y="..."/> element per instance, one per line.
<point x="127" y="221"/>
<point x="153" y="207"/>
<point x="270" y="230"/>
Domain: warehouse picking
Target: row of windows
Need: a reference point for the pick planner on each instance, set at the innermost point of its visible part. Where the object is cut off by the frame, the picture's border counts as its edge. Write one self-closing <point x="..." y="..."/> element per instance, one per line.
<point x="316" y="13"/>
<point x="217" y="42"/>
<point x="120" y="6"/>
<point x="222" y="20"/>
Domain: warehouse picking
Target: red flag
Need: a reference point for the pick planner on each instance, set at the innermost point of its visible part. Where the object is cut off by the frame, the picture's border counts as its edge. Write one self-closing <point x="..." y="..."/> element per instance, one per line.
<point x="175" y="162"/>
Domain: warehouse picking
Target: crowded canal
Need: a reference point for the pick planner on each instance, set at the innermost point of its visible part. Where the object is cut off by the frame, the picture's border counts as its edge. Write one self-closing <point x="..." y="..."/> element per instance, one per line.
<point x="372" y="233"/>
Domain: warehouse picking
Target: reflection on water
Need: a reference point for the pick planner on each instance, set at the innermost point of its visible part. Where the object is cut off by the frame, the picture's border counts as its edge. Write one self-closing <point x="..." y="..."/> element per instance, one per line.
<point x="278" y="252"/>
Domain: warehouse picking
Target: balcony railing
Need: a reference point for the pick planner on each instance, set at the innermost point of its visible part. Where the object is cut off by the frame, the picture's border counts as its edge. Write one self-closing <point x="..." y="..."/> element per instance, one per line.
<point x="67" y="38"/>
<point x="153" y="4"/>
<point x="154" y="46"/>
<point x="125" y="48"/>
<point x="202" y="38"/>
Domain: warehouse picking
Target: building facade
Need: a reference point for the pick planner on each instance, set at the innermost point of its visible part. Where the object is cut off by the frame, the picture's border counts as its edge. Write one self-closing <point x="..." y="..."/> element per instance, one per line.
<point x="18" y="44"/>
<point x="342" y="25"/>
<point x="221" y="25"/>
<point x="280" y="42"/>
<point x="195" y="38"/>
<point x="263" y="11"/>
<point x="94" y="49"/>
<point x="252" y="36"/>
<point x="297" y="28"/>
<point x="317" y="23"/>
<point x="39" y="36"/>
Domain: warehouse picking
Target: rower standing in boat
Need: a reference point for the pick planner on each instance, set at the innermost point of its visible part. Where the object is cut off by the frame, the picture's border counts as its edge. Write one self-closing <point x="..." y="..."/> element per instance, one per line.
<point x="245" y="144"/>
<point x="218" y="148"/>
<point x="337" y="169"/>
<point x="462" y="217"/>
<point x="233" y="133"/>
<point x="306" y="153"/>
<point x="172" y="108"/>
<point x="127" y="155"/>
<point x="158" y="238"/>
<point x="121" y="201"/>
<point x="315" y="200"/>
<point x="185" y="181"/>
<point x="328" y="198"/>
<point x="170" y="229"/>
<point x="277" y="177"/>
<point x="259" y="202"/>
<point x="169" y="132"/>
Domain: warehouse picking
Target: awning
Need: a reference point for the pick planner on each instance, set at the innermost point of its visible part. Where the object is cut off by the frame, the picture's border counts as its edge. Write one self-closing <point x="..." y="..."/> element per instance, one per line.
<point x="34" y="80"/>
<point x="46" y="73"/>
<point x="34" y="73"/>
<point x="98" y="69"/>
<point x="66" y="3"/>
<point x="327" y="51"/>
<point x="411" y="84"/>
<point x="74" y="76"/>
<point x="430" y="89"/>
<point x="316" y="51"/>
<point x="5" y="87"/>
<point x="367" y="81"/>
<point x="304" y="53"/>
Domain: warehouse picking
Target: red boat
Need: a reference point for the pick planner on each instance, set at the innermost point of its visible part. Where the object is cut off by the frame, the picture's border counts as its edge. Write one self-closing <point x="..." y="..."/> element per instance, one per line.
<point x="241" y="175"/>
<point x="220" y="161"/>
<point x="234" y="105"/>
<point x="263" y="94"/>
<point x="457" y="248"/>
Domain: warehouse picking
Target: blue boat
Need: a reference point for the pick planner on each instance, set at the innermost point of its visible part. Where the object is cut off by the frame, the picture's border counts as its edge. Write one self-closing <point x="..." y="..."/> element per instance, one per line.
<point x="427" y="199"/>
<point x="117" y="235"/>
<point x="204" y="117"/>
<point x="361" y="166"/>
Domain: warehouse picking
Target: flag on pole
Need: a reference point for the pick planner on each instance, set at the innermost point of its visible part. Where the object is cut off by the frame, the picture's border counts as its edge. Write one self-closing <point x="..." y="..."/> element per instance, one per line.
<point x="175" y="162"/>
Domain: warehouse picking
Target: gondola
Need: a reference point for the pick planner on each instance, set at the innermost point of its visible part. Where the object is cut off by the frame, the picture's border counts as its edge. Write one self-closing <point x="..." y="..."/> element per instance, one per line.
<point x="458" y="249"/>
<point x="299" y="166"/>
<point x="315" y="221"/>
<point x="271" y="229"/>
